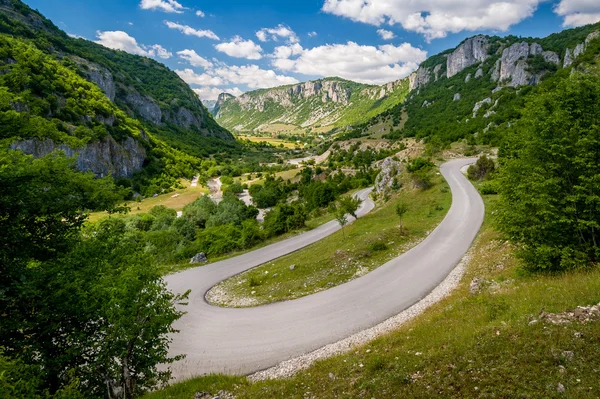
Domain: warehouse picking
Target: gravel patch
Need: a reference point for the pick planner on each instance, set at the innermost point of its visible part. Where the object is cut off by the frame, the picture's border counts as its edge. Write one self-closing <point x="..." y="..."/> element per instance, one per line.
<point x="290" y="367"/>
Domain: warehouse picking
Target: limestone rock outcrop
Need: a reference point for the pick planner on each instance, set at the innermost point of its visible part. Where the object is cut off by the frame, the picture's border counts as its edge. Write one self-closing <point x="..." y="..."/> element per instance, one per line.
<point x="103" y="157"/>
<point x="470" y="52"/>
<point x="513" y="67"/>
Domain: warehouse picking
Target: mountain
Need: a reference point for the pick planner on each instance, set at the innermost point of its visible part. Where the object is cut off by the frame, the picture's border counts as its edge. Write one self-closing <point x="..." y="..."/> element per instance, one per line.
<point x="478" y="89"/>
<point x="210" y="105"/>
<point x="122" y="114"/>
<point x="329" y="103"/>
<point x="145" y="89"/>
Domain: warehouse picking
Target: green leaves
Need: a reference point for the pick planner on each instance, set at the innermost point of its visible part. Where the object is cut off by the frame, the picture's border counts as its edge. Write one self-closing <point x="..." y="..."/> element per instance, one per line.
<point x="550" y="177"/>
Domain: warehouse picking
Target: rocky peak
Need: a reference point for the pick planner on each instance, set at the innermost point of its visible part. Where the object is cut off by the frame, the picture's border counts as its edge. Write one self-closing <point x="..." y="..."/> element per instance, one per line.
<point x="470" y="52"/>
<point x="419" y="78"/>
<point x="572" y="54"/>
<point x="513" y="66"/>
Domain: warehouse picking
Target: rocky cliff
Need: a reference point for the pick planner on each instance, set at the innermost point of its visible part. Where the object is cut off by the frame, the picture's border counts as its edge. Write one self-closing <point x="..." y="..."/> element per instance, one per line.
<point x="102" y="157"/>
<point x="468" y="53"/>
<point x="513" y="68"/>
<point x="326" y="102"/>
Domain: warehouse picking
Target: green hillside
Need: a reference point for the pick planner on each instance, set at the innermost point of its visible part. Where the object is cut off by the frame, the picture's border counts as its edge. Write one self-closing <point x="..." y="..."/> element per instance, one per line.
<point x="334" y="103"/>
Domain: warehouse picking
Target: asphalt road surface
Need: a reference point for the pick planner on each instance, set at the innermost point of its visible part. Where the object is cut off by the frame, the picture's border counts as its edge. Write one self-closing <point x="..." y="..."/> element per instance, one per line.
<point x="242" y="341"/>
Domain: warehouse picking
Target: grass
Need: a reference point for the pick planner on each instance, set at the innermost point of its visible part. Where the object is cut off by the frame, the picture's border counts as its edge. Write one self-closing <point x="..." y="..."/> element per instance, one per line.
<point x="465" y="346"/>
<point x="363" y="246"/>
<point x="285" y="175"/>
<point x="281" y="128"/>
<point x="175" y="200"/>
<point x="274" y="142"/>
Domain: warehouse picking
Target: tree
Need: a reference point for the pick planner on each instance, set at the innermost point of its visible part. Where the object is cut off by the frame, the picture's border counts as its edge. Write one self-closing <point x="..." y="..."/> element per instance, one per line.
<point x="482" y="169"/>
<point x="401" y="210"/>
<point x="549" y="183"/>
<point x="80" y="311"/>
<point x="342" y="219"/>
<point x="350" y="205"/>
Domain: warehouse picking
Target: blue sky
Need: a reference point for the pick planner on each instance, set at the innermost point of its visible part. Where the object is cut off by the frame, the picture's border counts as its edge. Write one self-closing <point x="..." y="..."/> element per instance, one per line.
<point x="241" y="45"/>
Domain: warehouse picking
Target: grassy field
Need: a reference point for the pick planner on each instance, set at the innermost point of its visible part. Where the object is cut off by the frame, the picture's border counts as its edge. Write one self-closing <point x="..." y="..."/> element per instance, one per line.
<point x="273" y="141"/>
<point x="363" y="246"/>
<point x="174" y="200"/>
<point x="281" y="128"/>
<point x="485" y="345"/>
<point x="285" y="175"/>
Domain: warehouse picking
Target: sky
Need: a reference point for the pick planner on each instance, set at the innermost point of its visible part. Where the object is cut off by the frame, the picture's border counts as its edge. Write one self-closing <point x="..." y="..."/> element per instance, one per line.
<point x="236" y="46"/>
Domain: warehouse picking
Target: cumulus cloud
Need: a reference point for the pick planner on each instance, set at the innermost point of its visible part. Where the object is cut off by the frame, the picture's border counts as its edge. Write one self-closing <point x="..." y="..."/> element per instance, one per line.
<point x="200" y="14"/>
<point x="250" y="75"/>
<point x="171" y="6"/>
<point x="312" y="34"/>
<point x="281" y="31"/>
<point x="194" y="59"/>
<point x="204" y="79"/>
<point x="240" y="48"/>
<point x="578" y="12"/>
<point x="436" y="18"/>
<point x="119" y="40"/>
<point x="156" y="50"/>
<point x="366" y="64"/>
<point x="212" y="93"/>
<point x="189" y="31"/>
<point x="253" y="76"/>
<point x="386" y="34"/>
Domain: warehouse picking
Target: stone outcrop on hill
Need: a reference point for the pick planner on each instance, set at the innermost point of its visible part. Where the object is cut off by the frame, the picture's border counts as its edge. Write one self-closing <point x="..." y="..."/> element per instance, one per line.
<point x="103" y="157"/>
<point x="470" y="52"/>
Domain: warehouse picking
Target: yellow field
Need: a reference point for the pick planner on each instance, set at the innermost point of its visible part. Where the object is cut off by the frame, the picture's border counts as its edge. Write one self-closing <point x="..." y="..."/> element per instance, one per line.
<point x="274" y="142"/>
<point x="174" y="200"/>
<point x="281" y="128"/>
<point x="322" y="129"/>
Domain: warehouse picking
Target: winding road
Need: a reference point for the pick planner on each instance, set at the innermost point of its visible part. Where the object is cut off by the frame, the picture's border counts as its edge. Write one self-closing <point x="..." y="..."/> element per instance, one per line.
<point x="241" y="341"/>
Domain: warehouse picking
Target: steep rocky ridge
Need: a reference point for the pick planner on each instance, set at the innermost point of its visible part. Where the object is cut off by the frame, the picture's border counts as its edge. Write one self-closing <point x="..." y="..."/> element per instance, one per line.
<point x="478" y="89"/>
<point x="142" y="87"/>
<point x="325" y="102"/>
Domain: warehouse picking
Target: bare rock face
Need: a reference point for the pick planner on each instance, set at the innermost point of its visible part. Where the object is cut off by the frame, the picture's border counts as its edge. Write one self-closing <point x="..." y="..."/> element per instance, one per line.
<point x="145" y="107"/>
<point x="436" y="71"/>
<point x="470" y="52"/>
<point x="103" y="79"/>
<point x="479" y="73"/>
<point x="223" y="97"/>
<point x="456" y="97"/>
<point x="103" y="157"/>
<point x="513" y="65"/>
<point x="419" y="78"/>
<point x="385" y="179"/>
<point x="570" y="55"/>
<point x="480" y="104"/>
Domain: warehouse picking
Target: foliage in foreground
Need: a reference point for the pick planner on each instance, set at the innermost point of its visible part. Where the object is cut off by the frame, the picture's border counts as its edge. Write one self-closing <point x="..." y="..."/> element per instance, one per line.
<point x="550" y="177"/>
<point x="81" y="316"/>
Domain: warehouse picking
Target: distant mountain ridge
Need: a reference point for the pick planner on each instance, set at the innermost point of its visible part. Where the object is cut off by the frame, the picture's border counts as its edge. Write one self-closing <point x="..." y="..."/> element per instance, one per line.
<point x="331" y="102"/>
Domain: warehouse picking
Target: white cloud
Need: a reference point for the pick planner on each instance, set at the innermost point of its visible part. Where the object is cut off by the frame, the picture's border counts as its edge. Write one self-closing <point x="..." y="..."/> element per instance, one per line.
<point x="578" y="12"/>
<point x="386" y="34"/>
<point x="241" y="48"/>
<point x="312" y="34"/>
<point x="366" y="64"/>
<point x="194" y="59"/>
<point x="436" y="18"/>
<point x="266" y="34"/>
<point x="251" y="75"/>
<point x="212" y="93"/>
<point x="205" y="79"/>
<point x="189" y="31"/>
<point x="130" y="23"/>
<point x="156" y="50"/>
<point x="171" y="6"/>
<point x="119" y="40"/>
<point x="200" y="14"/>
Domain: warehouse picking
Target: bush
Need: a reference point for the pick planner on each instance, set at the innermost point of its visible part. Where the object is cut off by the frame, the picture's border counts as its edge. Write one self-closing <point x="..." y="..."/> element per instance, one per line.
<point x="482" y="169"/>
